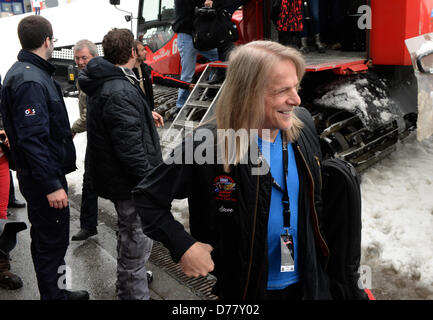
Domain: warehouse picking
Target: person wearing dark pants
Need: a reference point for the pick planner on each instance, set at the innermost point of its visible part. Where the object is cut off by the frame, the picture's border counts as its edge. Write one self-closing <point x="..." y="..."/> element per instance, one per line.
<point x="8" y="279"/>
<point x="47" y="223"/>
<point x="313" y="29"/>
<point x="89" y="207"/>
<point x="37" y="125"/>
<point x="84" y="51"/>
<point x="123" y="147"/>
<point x="253" y="211"/>
<point x="13" y="202"/>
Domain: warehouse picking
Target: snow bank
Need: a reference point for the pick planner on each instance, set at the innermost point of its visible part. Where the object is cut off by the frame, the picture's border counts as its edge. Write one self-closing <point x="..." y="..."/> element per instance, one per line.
<point x="398" y="210"/>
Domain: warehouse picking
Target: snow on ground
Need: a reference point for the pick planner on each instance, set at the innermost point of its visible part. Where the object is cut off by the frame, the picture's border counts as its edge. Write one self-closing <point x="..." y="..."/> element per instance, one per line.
<point x="396" y="193"/>
<point x="398" y="209"/>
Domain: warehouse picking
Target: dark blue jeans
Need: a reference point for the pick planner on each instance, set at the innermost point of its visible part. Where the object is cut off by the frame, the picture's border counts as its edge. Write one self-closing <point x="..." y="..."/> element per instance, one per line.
<point x="314" y="7"/>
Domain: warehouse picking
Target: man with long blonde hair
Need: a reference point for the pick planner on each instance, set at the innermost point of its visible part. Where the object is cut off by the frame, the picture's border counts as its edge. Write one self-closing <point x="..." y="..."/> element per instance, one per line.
<point x="256" y="231"/>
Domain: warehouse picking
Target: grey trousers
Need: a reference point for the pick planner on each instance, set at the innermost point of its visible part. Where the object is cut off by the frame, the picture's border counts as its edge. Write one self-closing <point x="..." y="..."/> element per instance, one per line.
<point x="133" y="251"/>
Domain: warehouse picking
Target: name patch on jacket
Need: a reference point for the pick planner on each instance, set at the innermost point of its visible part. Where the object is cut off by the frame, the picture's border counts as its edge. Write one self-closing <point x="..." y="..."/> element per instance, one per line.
<point x="30" y="115"/>
<point x="224" y="186"/>
<point x="30" y="111"/>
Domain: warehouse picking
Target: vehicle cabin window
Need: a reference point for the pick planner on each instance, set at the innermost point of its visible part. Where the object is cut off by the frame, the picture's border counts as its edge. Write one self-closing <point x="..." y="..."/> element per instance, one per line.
<point x="167" y="10"/>
<point x="156" y="38"/>
<point x="151" y="8"/>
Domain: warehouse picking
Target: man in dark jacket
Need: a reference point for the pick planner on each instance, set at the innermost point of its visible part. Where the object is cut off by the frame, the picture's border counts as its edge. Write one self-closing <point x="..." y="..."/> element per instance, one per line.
<point x="36" y="122"/>
<point x="84" y="51"/>
<point x="254" y="216"/>
<point x="147" y="76"/>
<point x="123" y="146"/>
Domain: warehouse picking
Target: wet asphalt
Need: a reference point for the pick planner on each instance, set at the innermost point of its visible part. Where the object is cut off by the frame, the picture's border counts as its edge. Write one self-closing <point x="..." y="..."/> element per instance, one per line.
<point x="92" y="262"/>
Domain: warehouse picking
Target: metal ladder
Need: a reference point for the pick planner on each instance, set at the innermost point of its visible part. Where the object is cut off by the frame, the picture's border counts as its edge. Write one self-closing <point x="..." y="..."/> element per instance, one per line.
<point x="198" y="108"/>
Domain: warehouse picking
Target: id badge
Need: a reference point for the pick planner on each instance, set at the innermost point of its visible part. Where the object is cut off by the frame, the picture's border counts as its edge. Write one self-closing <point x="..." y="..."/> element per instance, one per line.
<point x="287" y="257"/>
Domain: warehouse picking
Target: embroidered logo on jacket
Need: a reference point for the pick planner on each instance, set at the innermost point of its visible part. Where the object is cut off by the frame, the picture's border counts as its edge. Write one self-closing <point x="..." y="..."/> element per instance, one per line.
<point x="222" y="209"/>
<point x="30" y="112"/>
<point x="224" y="187"/>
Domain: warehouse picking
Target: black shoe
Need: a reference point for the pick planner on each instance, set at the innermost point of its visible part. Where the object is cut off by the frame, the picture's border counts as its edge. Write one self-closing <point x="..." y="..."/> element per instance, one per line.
<point x="16" y="204"/>
<point x="218" y="76"/>
<point x="149" y="277"/>
<point x="77" y="295"/>
<point x="83" y="234"/>
<point x="172" y="113"/>
<point x="10" y="281"/>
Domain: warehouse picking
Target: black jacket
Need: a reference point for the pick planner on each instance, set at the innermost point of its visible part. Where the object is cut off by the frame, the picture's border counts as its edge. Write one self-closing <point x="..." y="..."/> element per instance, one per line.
<point x="184" y="12"/>
<point x="234" y="221"/>
<point x="149" y="76"/>
<point x="123" y="144"/>
<point x="36" y="122"/>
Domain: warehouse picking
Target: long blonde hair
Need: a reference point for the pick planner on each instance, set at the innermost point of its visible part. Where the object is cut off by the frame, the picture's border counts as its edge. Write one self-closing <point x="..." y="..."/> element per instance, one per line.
<point x="241" y="103"/>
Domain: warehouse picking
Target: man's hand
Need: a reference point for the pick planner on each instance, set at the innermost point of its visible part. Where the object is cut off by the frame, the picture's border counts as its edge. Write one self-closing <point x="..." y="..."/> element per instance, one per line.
<point x="208" y="3"/>
<point x="58" y="199"/>
<point x="197" y="261"/>
<point x="159" y="120"/>
<point x="73" y="134"/>
<point x="6" y="141"/>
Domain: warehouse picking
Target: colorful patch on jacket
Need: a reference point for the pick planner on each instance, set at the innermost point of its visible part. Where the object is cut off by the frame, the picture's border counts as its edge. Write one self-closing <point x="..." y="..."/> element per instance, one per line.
<point x="30" y="111"/>
<point x="224" y="187"/>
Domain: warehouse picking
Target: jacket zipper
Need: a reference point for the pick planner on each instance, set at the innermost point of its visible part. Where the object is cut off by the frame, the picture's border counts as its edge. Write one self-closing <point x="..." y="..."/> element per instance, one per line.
<point x="320" y="171"/>
<point x="252" y="239"/>
<point x="316" y="222"/>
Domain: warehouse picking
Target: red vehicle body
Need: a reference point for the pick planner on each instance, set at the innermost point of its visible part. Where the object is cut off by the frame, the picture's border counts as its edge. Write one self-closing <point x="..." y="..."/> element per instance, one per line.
<point x="393" y="21"/>
<point x="374" y="61"/>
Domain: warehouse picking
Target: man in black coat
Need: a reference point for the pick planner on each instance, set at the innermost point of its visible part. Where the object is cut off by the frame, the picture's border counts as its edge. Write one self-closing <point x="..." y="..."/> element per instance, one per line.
<point x="260" y="240"/>
<point x="147" y="76"/>
<point x="37" y="124"/>
<point x="123" y="146"/>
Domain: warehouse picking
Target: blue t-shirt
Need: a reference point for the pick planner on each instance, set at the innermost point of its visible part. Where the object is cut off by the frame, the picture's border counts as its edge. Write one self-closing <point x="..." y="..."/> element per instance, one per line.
<point x="278" y="280"/>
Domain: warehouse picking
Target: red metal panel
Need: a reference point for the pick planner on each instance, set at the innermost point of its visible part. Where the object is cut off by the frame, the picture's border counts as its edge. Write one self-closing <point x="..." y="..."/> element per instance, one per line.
<point x="252" y="24"/>
<point x="393" y="21"/>
<point x="426" y="16"/>
<point x="340" y="67"/>
<point x="165" y="60"/>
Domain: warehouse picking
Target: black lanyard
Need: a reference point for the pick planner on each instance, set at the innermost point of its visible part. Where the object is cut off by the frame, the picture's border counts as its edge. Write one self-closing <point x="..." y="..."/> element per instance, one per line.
<point x="285" y="200"/>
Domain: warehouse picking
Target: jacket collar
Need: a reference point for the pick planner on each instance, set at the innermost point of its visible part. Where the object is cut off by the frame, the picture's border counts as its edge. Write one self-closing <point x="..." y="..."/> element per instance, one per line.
<point x="30" y="57"/>
<point x="130" y="75"/>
